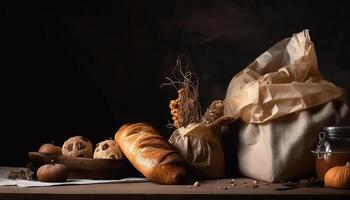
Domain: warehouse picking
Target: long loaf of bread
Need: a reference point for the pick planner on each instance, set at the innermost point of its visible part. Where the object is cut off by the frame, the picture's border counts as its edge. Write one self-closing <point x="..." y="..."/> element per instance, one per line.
<point x="151" y="154"/>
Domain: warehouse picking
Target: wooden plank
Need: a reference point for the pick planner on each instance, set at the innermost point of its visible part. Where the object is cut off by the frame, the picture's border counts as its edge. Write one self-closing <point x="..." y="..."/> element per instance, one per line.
<point x="208" y="189"/>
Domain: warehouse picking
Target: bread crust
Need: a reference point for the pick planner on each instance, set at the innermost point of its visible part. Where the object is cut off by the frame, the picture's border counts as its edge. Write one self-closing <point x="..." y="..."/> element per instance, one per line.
<point x="151" y="154"/>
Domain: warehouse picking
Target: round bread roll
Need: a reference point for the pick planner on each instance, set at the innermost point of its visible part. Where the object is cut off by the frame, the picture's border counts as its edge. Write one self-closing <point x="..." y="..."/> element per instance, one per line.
<point x="108" y="149"/>
<point x="77" y="146"/>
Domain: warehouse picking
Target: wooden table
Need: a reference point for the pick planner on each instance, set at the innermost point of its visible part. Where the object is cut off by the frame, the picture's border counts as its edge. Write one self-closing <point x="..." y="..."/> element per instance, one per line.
<point x="209" y="189"/>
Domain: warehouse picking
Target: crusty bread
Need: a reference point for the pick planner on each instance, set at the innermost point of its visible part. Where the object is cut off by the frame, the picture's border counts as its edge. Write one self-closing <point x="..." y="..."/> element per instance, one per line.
<point x="151" y="154"/>
<point x="77" y="146"/>
<point x="108" y="149"/>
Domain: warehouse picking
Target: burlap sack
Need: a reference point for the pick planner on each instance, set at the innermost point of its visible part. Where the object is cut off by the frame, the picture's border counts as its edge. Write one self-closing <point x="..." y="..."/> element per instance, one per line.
<point x="282" y="102"/>
<point x="201" y="149"/>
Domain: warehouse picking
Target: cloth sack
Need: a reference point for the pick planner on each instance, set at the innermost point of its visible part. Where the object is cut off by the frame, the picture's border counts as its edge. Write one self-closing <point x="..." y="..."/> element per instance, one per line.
<point x="281" y="102"/>
<point x="280" y="150"/>
<point x="201" y="149"/>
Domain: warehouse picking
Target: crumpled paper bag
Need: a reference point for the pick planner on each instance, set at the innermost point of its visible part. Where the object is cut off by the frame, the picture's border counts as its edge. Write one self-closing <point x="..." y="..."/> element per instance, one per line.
<point x="283" y="102"/>
<point x="201" y="149"/>
<point x="283" y="80"/>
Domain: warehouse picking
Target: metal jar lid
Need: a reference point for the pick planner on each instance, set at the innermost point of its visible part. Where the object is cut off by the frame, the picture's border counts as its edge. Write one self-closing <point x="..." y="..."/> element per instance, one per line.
<point x="337" y="131"/>
<point x="329" y="135"/>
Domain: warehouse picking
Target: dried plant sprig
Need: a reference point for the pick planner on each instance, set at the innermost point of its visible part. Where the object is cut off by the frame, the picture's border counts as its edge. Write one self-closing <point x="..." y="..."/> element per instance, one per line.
<point x="213" y="112"/>
<point x="214" y="117"/>
<point x="186" y="108"/>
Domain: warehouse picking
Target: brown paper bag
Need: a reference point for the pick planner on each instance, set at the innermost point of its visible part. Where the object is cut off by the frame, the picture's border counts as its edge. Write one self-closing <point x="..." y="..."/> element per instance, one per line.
<point x="283" y="80"/>
<point x="201" y="149"/>
<point x="282" y="101"/>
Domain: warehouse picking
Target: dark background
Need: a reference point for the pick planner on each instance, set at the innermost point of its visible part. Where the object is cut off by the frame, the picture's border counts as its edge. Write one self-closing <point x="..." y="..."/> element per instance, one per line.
<point x="86" y="68"/>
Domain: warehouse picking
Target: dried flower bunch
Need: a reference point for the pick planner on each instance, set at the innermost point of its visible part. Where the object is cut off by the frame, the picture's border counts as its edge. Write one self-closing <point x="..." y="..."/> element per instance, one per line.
<point x="214" y="117"/>
<point x="213" y="112"/>
<point x="186" y="108"/>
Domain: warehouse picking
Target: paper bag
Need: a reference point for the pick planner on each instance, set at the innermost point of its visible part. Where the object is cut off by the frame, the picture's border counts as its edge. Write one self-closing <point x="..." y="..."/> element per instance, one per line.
<point x="201" y="149"/>
<point x="283" y="80"/>
<point x="282" y="101"/>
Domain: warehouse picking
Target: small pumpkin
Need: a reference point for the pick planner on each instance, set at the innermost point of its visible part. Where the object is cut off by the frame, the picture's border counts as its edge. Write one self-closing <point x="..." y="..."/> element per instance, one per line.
<point x="338" y="177"/>
<point x="52" y="172"/>
<point x="50" y="148"/>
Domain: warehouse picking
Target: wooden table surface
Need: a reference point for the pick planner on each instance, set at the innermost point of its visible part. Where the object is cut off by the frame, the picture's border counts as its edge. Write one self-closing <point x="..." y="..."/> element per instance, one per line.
<point x="209" y="189"/>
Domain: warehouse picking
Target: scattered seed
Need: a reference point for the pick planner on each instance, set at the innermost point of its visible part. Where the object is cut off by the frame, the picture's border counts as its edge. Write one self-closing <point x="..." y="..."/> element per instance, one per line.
<point x="232" y="181"/>
<point x="196" y="184"/>
<point x="219" y="187"/>
<point x="255" y="182"/>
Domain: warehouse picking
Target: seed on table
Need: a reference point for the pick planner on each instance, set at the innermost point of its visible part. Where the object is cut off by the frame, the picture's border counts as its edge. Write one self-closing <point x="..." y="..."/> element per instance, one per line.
<point x="196" y="184"/>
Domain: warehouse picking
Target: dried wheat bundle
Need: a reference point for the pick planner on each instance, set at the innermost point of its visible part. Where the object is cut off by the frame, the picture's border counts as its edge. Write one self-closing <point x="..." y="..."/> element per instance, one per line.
<point x="186" y="108"/>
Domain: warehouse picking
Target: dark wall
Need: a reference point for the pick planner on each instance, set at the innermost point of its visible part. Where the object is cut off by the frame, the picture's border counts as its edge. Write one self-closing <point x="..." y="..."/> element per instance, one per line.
<point x="86" y="68"/>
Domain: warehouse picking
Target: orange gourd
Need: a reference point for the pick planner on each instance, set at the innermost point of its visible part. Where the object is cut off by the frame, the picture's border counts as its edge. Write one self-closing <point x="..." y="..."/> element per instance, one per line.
<point x="52" y="172"/>
<point x="50" y="148"/>
<point x="338" y="177"/>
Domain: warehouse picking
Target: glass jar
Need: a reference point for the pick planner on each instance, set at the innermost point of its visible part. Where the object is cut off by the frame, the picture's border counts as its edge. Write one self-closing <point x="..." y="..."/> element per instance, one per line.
<point x="333" y="149"/>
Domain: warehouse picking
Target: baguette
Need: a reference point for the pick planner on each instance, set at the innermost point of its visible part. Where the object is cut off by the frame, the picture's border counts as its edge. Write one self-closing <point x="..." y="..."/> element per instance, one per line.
<point x="151" y="154"/>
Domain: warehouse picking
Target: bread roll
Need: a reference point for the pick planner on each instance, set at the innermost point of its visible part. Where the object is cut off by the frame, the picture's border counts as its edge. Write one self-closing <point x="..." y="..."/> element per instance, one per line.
<point x="108" y="149"/>
<point x="151" y="154"/>
<point x="77" y="146"/>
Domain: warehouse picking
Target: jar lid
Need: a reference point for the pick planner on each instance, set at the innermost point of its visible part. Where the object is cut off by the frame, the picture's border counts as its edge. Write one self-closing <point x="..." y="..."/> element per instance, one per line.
<point x="337" y="131"/>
